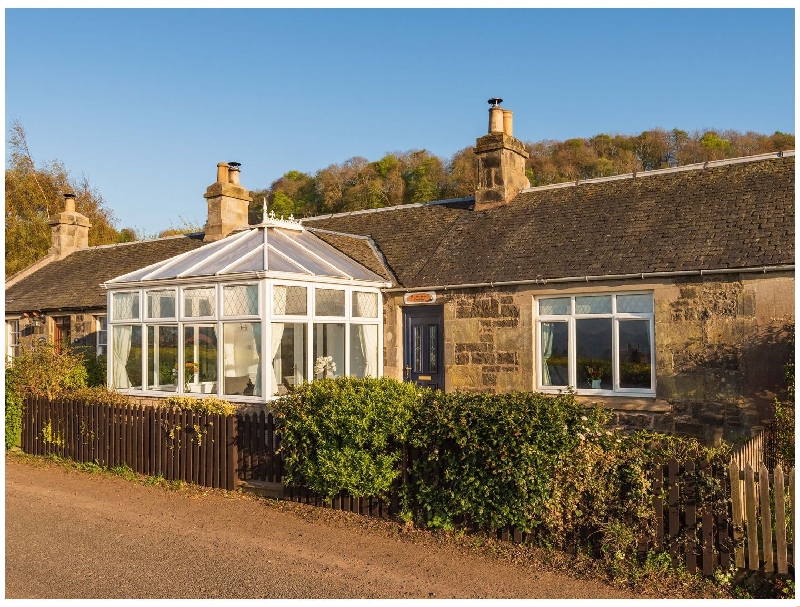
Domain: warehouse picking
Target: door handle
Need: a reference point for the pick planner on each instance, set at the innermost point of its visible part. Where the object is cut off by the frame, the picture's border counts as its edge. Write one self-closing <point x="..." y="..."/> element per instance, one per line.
<point x="408" y="372"/>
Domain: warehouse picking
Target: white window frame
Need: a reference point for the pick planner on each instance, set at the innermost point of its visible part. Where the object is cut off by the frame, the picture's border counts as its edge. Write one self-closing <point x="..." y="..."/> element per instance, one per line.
<point x="101" y="329"/>
<point x="570" y="319"/>
<point x="13" y="334"/>
<point x="159" y="319"/>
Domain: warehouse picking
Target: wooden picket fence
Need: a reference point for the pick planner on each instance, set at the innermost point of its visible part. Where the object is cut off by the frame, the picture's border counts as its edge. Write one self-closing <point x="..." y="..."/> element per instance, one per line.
<point x="176" y="444"/>
<point x="762" y="517"/>
<point x="694" y="522"/>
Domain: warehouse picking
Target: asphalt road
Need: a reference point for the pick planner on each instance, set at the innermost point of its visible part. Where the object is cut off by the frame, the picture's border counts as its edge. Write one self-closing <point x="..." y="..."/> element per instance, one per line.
<point x="72" y="534"/>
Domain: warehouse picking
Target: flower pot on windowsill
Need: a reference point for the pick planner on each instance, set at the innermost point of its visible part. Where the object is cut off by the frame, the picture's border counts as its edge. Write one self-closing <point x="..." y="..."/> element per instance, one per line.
<point x="198" y="388"/>
<point x="596" y="384"/>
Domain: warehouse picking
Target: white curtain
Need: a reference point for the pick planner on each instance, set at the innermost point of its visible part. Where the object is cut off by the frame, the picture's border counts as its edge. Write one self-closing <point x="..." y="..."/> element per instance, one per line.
<point x="369" y="348"/>
<point x="277" y="363"/>
<point x="547" y="351"/>
<point x="122" y="349"/>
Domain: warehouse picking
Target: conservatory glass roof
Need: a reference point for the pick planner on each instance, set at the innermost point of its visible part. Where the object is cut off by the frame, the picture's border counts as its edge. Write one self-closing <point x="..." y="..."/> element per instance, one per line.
<point x="278" y="247"/>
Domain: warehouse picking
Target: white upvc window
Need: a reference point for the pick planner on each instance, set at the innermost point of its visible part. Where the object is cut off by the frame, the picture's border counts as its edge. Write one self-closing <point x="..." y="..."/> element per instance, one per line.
<point x="101" y="330"/>
<point x="596" y="343"/>
<point x="13" y="333"/>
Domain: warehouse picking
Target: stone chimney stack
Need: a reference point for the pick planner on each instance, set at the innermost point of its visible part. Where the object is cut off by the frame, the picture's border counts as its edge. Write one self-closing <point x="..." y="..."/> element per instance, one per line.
<point x="70" y="230"/>
<point x="227" y="203"/>
<point x="501" y="161"/>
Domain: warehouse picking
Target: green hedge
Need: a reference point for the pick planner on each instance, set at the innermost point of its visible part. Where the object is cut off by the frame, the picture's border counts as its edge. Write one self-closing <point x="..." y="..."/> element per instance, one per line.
<point x="345" y="434"/>
<point x="494" y="456"/>
<point x="527" y="460"/>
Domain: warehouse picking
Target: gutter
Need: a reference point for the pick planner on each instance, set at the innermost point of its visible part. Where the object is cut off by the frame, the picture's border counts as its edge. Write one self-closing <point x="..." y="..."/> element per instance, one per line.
<point x="544" y="281"/>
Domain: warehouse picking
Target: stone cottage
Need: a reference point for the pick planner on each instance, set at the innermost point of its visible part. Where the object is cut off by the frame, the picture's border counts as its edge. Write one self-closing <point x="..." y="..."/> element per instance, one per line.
<point x="664" y="295"/>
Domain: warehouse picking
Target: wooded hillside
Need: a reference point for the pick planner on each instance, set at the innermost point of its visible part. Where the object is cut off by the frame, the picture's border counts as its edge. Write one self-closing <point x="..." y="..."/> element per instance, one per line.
<point x="419" y="176"/>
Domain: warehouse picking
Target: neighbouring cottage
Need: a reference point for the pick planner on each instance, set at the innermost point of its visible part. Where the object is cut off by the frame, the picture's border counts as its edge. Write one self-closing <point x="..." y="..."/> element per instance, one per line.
<point x="664" y="295"/>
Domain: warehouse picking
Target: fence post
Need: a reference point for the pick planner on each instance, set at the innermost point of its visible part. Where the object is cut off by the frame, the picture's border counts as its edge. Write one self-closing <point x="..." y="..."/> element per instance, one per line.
<point x="766" y="518"/>
<point x="750" y="510"/>
<point x="738" y="513"/>
<point x="780" y="520"/>
<point x="230" y="481"/>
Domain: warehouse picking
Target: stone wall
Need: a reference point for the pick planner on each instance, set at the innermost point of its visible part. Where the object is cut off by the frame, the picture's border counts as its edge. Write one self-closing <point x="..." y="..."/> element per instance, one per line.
<point x="488" y="341"/>
<point x="721" y="343"/>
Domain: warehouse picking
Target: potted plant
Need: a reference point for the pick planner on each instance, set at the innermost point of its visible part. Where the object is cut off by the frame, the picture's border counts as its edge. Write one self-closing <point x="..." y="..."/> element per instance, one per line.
<point x="324" y="365"/>
<point x="190" y="370"/>
<point x="594" y="376"/>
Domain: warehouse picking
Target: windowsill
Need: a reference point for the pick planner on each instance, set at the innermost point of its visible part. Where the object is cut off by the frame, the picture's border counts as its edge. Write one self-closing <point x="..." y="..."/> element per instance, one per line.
<point x="619" y="402"/>
<point x="626" y="403"/>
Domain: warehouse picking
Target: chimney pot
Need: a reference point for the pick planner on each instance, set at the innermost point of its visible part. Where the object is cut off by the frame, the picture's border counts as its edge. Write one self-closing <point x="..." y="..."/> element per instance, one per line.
<point x="69" y="202"/>
<point x="233" y="172"/>
<point x="222" y="172"/>
<point x="508" y="122"/>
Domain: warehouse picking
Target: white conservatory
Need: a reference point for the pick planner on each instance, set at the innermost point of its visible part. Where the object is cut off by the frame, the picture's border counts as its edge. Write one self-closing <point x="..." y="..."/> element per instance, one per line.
<point x="245" y="317"/>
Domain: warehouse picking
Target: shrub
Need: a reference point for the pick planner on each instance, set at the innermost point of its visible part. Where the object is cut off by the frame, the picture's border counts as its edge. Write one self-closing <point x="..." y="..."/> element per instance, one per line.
<point x="96" y="365"/>
<point x="45" y="370"/>
<point x="491" y="458"/>
<point x="345" y="434"/>
<point x="209" y="404"/>
<point x="14" y="410"/>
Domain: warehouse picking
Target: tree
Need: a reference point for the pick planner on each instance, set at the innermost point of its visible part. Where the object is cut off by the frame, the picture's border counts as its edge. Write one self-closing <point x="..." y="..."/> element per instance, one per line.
<point x="33" y="197"/>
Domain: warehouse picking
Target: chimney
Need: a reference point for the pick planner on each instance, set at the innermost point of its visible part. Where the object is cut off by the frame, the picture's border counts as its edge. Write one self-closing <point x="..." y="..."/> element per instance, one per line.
<point x="227" y="203"/>
<point x="70" y="230"/>
<point x="501" y="161"/>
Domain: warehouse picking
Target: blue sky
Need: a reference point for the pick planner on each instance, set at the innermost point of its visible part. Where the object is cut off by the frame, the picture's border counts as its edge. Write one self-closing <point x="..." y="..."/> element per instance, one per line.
<point x="145" y="102"/>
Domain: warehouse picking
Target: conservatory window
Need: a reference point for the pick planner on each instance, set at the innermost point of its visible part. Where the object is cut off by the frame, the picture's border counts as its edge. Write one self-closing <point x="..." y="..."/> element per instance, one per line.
<point x="241" y="358"/>
<point x="199" y="302"/>
<point x="597" y="343"/>
<point x="289" y="300"/>
<point x="162" y="358"/>
<point x="240" y="300"/>
<point x="329" y="342"/>
<point x="364" y="350"/>
<point x="200" y="358"/>
<point x="289" y="355"/>
<point x="365" y="305"/>
<point x="126" y="371"/>
<point x="161" y="304"/>
<point x="125" y="306"/>
<point x="329" y="302"/>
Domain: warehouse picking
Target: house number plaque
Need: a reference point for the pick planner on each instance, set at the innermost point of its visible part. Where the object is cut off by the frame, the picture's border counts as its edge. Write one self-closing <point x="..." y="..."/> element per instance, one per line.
<point x="421" y="297"/>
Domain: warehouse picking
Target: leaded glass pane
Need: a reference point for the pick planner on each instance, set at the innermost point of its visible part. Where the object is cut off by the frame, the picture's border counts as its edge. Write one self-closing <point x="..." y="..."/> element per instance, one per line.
<point x="635" y="370"/>
<point x="365" y="305"/>
<point x="554" y="305"/>
<point x="161" y="304"/>
<point x="240" y="300"/>
<point x="595" y="304"/>
<point x="433" y="348"/>
<point x="199" y="302"/>
<point x="329" y="302"/>
<point x="125" y="305"/>
<point x="289" y="300"/>
<point x="635" y="304"/>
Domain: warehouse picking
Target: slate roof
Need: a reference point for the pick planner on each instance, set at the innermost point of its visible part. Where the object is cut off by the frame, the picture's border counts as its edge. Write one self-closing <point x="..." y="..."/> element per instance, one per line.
<point x="730" y="214"/>
<point x="73" y="283"/>
<point x="358" y="248"/>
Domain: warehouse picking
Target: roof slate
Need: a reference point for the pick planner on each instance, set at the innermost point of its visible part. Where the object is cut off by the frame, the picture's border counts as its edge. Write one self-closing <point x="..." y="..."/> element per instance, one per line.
<point x="358" y="248"/>
<point x="73" y="283"/>
<point x="738" y="215"/>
